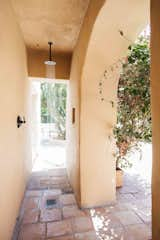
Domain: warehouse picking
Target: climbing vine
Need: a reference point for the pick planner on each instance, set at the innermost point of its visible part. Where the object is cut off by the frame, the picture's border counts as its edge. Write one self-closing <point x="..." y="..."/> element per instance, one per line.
<point x="134" y="108"/>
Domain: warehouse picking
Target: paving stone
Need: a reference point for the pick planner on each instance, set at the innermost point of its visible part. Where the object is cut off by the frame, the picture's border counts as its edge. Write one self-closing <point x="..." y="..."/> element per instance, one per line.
<point x="61" y="228"/>
<point x="137" y="232"/>
<point x="34" y="184"/>
<point x="82" y="224"/>
<point x="72" y="211"/>
<point x="129" y="189"/>
<point x="32" y="232"/>
<point x="128" y="197"/>
<point x="101" y="219"/>
<point x="67" y="189"/>
<point x="33" y="193"/>
<point x="31" y="203"/>
<point x="143" y="203"/>
<point x="52" y="192"/>
<point x="58" y="180"/>
<point x="142" y="195"/>
<point x="31" y="216"/>
<point x="128" y="217"/>
<point x="64" y="238"/>
<point x="144" y="214"/>
<point x="91" y="235"/>
<point x="119" y="206"/>
<point x="111" y="234"/>
<point x="48" y="215"/>
<point x="67" y="199"/>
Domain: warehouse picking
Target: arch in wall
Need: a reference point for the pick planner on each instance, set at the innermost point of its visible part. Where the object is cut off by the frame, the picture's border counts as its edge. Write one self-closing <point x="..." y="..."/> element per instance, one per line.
<point x="95" y="163"/>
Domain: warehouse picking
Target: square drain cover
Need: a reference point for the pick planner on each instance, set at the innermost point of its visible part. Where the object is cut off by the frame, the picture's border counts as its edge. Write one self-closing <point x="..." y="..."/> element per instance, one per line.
<point x="51" y="202"/>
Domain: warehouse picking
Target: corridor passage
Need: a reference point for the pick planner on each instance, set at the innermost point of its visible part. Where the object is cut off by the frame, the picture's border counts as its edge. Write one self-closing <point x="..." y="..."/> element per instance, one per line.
<point x="49" y="210"/>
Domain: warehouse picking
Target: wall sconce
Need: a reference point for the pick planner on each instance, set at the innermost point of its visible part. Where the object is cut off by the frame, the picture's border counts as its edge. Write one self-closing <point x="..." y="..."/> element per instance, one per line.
<point x="20" y="121"/>
<point x="73" y="115"/>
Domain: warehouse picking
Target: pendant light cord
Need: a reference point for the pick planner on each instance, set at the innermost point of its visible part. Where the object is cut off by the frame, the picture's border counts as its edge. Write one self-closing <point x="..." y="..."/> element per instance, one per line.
<point x="50" y="51"/>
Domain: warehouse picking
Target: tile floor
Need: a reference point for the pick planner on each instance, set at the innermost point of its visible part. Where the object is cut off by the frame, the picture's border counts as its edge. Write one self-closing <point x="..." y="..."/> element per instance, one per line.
<point x="49" y="211"/>
<point x="130" y="217"/>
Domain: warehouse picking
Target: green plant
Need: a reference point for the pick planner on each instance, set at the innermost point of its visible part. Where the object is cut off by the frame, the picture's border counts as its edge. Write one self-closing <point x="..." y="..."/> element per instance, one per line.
<point x="53" y="106"/>
<point x="134" y="108"/>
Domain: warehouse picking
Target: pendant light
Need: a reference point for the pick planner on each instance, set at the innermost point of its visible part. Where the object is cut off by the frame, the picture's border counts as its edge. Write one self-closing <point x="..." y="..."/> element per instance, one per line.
<point x="50" y="65"/>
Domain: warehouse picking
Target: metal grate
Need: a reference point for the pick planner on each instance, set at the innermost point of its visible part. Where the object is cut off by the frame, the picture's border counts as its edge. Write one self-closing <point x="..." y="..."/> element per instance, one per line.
<point x="51" y="203"/>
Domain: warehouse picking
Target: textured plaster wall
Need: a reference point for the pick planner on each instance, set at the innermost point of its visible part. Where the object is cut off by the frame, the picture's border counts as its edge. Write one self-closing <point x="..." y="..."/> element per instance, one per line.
<point x="98" y="118"/>
<point x="14" y="143"/>
<point x="36" y="66"/>
<point x="73" y="149"/>
<point x="91" y="162"/>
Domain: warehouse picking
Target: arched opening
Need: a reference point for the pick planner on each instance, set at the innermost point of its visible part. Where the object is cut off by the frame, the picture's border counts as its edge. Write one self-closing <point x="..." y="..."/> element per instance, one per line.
<point x="98" y="118"/>
<point x="97" y="115"/>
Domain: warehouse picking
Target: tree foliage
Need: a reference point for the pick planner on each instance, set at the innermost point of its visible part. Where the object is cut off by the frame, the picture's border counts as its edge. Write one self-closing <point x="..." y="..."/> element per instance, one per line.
<point x="134" y="108"/>
<point x="53" y="106"/>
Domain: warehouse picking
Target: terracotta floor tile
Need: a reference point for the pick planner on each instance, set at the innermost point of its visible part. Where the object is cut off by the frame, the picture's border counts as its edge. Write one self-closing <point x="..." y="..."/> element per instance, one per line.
<point x="123" y="220"/>
<point x="86" y="236"/>
<point x="82" y="224"/>
<point x="105" y="221"/>
<point x="48" y="215"/>
<point x="72" y="211"/>
<point x="32" y="232"/>
<point x="144" y="214"/>
<point x="52" y="192"/>
<point x="128" y="217"/>
<point x="67" y="199"/>
<point x="31" y="216"/>
<point x="126" y="198"/>
<point x="119" y="206"/>
<point x="64" y="238"/>
<point x="111" y="234"/>
<point x="31" y="203"/>
<point x="61" y="228"/>
<point x="137" y="232"/>
<point x="33" y="193"/>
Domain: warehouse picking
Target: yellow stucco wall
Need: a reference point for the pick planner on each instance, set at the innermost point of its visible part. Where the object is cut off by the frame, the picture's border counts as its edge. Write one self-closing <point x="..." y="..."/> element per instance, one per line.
<point x="14" y="143"/>
<point x="92" y="165"/>
<point x="36" y="66"/>
<point x="98" y="118"/>
<point x="73" y="149"/>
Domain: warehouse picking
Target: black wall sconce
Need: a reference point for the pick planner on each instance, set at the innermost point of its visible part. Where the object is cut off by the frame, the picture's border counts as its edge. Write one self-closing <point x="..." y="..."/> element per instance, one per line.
<point x="20" y="121"/>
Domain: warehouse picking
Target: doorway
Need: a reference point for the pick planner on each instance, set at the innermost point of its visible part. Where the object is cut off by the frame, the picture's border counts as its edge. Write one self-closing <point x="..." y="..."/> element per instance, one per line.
<point x="49" y="120"/>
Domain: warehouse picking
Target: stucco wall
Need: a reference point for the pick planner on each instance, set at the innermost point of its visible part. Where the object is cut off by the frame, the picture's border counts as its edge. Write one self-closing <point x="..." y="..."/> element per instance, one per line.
<point x="36" y="66"/>
<point x="98" y="118"/>
<point x="14" y="143"/>
<point x="73" y="149"/>
<point x="92" y="165"/>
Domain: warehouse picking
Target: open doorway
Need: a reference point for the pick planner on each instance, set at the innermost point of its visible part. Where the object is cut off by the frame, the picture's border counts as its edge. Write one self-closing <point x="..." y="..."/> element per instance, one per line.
<point x="49" y="118"/>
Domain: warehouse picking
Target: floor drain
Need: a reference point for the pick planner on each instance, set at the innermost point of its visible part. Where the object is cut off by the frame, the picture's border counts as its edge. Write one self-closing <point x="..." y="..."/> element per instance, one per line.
<point x="51" y="203"/>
